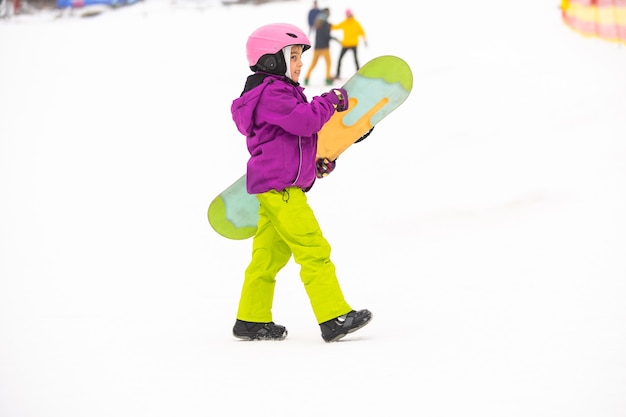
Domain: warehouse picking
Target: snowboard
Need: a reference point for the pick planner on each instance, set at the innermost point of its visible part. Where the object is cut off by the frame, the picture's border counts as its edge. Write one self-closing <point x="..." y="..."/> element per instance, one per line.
<point x="374" y="91"/>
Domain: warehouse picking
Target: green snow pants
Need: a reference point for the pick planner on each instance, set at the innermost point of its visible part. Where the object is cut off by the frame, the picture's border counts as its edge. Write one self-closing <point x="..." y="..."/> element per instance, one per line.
<point x="287" y="225"/>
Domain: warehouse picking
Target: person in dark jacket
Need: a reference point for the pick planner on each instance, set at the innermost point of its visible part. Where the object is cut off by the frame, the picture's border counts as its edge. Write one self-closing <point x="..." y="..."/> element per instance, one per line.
<point x="312" y="15"/>
<point x="281" y="128"/>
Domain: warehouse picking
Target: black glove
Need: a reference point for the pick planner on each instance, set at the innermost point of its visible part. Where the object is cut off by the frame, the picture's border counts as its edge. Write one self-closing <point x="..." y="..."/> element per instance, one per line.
<point x="365" y="135"/>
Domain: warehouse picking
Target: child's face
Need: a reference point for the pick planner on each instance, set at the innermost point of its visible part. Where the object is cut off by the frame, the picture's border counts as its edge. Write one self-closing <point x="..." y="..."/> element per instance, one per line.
<point x="295" y="62"/>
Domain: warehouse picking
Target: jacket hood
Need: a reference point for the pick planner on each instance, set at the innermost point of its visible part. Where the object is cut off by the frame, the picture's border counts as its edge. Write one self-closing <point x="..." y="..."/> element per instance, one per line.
<point x="243" y="108"/>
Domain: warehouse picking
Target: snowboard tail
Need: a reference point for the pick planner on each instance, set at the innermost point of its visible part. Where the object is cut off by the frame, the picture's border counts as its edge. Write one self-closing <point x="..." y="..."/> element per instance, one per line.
<point x="235" y="213"/>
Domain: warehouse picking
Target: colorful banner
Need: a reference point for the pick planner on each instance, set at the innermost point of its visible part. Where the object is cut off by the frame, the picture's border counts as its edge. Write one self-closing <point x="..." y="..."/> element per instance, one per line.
<point x="605" y="19"/>
<point x="62" y="4"/>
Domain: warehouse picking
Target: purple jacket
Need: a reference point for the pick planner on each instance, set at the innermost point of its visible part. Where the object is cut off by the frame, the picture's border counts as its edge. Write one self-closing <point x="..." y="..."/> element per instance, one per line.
<point x="281" y="129"/>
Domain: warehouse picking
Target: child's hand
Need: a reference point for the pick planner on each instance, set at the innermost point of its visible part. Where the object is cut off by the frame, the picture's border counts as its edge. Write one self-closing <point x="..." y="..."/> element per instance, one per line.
<point x="338" y="97"/>
<point x="342" y="95"/>
<point x="325" y="167"/>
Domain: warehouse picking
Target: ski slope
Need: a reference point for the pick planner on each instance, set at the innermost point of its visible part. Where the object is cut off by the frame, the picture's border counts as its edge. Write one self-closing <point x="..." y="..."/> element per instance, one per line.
<point x="482" y="223"/>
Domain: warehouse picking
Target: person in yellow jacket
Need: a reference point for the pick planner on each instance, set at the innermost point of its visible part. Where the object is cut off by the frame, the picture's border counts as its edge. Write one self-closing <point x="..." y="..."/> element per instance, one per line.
<point x="352" y="32"/>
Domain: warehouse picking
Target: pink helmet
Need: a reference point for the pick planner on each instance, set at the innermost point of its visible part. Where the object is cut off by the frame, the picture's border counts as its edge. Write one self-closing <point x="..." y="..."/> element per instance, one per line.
<point x="270" y="39"/>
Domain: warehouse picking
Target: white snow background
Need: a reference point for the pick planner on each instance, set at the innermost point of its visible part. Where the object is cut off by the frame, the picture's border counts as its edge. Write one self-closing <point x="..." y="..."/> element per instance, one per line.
<point x="482" y="222"/>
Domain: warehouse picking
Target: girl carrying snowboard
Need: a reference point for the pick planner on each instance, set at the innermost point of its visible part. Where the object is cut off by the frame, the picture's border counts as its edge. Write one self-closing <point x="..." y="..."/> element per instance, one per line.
<point x="281" y="128"/>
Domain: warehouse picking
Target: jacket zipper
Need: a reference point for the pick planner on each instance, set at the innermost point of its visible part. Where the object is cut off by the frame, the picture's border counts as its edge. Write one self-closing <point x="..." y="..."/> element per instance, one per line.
<point x="300" y="162"/>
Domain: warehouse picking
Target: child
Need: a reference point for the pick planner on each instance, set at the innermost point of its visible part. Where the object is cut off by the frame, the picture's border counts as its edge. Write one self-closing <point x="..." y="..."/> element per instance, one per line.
<point x="281" y="129"/>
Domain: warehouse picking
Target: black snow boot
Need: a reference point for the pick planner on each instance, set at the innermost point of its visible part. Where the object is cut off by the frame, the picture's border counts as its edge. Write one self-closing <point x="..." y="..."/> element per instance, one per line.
<point x="335" y="329"/>
<point x="247" y="330"/>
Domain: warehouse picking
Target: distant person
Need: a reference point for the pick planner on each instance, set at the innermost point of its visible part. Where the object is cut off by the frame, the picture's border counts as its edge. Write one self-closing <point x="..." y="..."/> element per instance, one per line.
<point x="312" y="15"/>
<point x="352" y="32"/>
<point x="322" y="45"/>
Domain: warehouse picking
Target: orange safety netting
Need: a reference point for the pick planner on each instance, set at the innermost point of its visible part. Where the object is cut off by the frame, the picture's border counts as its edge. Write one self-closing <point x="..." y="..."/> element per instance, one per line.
<point x="605" y="19"/>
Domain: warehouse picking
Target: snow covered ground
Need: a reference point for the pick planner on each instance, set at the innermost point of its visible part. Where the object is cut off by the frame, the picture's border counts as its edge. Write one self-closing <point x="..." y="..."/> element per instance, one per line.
<point x="482" y="223"/>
